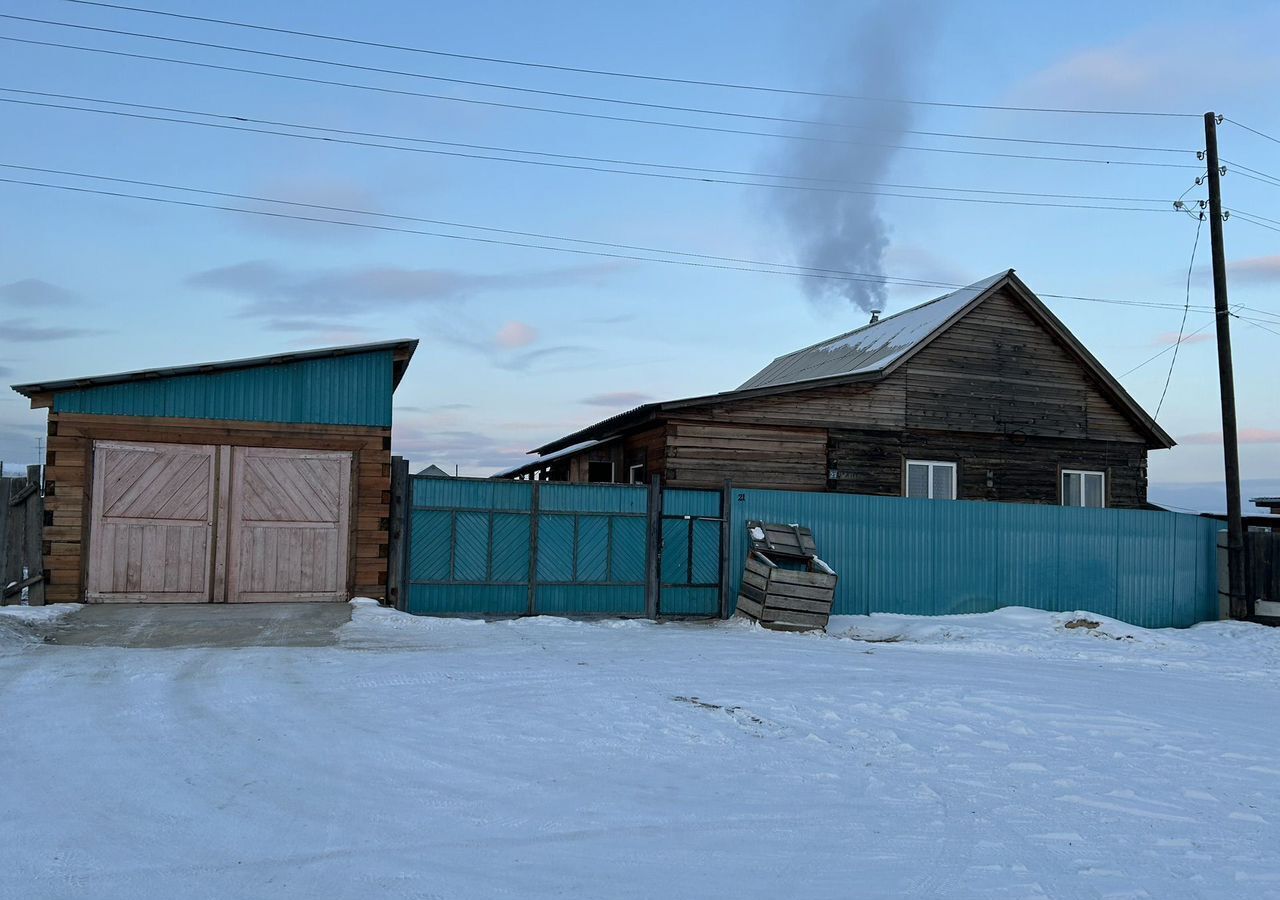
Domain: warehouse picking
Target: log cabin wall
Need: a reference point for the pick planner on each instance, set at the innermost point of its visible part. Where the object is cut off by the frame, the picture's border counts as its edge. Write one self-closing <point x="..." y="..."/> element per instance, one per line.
<point x="68" y="480"/>
<point x="647" y="448"/>
<point x="705" y="454"/>
<point x="1005" y="468"/>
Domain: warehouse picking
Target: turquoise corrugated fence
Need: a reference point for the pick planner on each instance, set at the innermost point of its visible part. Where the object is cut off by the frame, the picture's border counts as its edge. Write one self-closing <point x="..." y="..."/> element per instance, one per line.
<point x="922" y="557"/>
<point x="473" y="545"/>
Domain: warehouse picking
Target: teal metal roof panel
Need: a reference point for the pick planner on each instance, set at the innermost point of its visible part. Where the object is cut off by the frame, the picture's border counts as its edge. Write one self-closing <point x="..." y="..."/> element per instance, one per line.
<point x="353" y="389"/>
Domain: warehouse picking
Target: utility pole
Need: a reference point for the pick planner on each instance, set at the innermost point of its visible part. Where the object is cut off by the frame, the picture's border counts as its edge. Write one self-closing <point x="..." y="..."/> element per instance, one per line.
<point x="1241" y="607"/>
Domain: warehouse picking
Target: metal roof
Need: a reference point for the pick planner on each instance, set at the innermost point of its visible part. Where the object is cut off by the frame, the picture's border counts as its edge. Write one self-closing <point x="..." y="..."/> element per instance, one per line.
<point x="873" y="347"/>
<point x="543" y="460"/>
<point x="405" y="347"/>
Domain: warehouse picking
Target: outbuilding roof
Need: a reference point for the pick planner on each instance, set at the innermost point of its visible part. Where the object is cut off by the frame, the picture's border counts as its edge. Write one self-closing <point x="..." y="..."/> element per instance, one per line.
<point x="403" y="351"/>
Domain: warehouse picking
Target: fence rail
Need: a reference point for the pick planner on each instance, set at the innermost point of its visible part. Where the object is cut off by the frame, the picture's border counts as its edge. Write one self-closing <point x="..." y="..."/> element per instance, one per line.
<point x="487" y="547"/>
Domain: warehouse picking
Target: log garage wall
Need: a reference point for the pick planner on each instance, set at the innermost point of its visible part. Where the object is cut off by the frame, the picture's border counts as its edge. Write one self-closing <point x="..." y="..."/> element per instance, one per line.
<point x="68" y="478"/>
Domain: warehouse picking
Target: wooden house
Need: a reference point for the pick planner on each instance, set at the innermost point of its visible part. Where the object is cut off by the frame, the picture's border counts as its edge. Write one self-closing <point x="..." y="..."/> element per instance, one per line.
<point x="245" y="480"/>
<point x="981" y="394"/>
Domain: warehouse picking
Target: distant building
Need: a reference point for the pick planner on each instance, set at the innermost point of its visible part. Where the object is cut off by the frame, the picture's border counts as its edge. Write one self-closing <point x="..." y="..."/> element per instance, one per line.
<point x="434" y="471"/>
<point x="982" y="394"/>
<point x="1270" y="504"/>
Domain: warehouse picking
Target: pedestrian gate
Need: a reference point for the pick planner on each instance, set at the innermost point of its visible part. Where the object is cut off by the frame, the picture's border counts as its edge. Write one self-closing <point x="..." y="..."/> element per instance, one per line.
<point x="489" y="547"/>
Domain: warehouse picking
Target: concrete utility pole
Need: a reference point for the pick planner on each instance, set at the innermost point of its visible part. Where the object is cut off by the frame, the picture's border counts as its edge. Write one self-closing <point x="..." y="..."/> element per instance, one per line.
<point x="1241" y="607"/>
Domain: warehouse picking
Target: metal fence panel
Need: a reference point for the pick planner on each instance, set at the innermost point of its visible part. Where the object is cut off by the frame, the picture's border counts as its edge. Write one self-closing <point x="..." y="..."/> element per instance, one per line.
<point x="926" y="557"/>
<point x="471" y="543"/>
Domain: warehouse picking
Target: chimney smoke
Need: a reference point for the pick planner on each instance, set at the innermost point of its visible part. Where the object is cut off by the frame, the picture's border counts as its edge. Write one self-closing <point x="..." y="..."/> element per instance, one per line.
<point x="845" y="232"/>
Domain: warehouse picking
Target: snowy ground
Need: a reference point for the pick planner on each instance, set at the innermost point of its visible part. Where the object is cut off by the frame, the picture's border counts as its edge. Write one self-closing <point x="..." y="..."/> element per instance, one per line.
<point x="981" y="756"/>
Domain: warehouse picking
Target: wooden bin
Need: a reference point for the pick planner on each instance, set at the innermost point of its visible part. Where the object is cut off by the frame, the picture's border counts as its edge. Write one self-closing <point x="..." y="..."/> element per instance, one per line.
<point x="783" y="598"/>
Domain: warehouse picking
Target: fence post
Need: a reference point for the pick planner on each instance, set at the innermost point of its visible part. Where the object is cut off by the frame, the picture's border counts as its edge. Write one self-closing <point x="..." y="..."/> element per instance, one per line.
<point x="398" y="533"/>
<point x="653" y="556"/>
<point x="533" y="547"/>
<point x="726" y="538"/>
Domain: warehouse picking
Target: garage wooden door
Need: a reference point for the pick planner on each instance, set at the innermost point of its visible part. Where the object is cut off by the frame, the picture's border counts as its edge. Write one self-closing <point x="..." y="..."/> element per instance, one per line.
<point x="151" y="535"/>
<point x="288" y="525"/>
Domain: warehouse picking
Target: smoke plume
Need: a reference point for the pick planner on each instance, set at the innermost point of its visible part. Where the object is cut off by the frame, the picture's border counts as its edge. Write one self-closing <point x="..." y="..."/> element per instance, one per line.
<point x="847" y="231"/>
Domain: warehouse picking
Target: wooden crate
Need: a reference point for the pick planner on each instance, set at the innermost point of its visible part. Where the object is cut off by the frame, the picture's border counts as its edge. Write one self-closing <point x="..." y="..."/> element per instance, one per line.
<point x="787" y="599"/>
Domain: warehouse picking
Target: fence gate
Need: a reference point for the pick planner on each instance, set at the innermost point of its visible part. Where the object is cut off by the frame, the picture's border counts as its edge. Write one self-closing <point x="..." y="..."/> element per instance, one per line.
<point x="488" y="547"/>
<point x="692" y="569"/>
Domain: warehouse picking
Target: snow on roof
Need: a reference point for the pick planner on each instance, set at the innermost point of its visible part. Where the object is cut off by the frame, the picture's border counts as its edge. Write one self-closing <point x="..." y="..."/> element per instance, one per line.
<point x="872" y="347"/>
<point x="543" y="460"/>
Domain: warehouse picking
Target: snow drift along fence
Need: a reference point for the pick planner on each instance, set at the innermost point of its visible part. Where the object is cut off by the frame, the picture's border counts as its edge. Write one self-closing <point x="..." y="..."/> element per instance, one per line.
<point x="928" y="557"/>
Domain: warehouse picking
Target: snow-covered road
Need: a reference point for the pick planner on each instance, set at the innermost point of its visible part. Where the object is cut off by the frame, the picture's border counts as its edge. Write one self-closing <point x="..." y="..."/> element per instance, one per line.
<point x="981" y="756"/>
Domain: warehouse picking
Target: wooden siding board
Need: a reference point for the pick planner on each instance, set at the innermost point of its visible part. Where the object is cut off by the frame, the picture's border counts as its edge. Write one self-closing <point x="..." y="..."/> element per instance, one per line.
<point x="999" y="370"/>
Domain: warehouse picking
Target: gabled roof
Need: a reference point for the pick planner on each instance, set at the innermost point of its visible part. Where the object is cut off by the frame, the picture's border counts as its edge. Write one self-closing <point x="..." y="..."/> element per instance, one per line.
<point x="402" y="349"/>
<point x="872" y="348"/>
<point x="875" y="351"/>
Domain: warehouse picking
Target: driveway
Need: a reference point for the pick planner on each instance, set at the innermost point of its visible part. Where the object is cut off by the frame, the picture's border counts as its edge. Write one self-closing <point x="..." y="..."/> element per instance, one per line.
<point x="178" y="625"/>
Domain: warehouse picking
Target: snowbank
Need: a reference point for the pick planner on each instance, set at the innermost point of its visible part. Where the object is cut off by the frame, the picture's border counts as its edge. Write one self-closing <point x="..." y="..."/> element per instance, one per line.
<point x="21" y="625"/>
<point x="1239" y="647"/>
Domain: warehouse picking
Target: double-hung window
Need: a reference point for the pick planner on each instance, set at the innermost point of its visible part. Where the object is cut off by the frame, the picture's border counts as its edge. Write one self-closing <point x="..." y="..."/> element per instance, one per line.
<point x="931" y="480"/>
<point x="1080" y="488"/>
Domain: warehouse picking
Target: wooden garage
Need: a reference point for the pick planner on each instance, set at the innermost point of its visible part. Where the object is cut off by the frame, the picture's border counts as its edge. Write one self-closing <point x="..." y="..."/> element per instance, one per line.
<point x="264" y="479"/>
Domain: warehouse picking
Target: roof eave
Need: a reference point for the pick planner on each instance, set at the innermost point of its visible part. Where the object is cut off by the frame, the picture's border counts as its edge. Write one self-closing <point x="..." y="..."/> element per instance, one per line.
<point x="643" y="415"/>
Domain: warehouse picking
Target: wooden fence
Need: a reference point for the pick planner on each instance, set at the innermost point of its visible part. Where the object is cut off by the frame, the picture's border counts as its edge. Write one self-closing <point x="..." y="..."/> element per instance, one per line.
<point x="21" y="522"/>
<point x="1262" y="558"/>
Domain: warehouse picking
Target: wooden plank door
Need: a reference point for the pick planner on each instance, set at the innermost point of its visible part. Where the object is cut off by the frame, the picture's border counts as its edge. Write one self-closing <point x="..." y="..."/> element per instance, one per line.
<point x="151" y="531"/>
<point x="288" y="525"/>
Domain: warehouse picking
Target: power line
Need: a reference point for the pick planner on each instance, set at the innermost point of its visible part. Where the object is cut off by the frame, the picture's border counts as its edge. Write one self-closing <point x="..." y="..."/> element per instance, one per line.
<point x="1240" y="169"/>
<point x="506" y="231"/>
<point x="1245" y="217"/>
<point x="571" y="166"/>
<point x="589" y="115"/>
<point x="837" y="275"/>
<point x="1254" y="130"/>
<point x="567" y="156"/>
<point x="1168" y="349"/>
<point x="1242" y="212"/>
<point x="572" y="96"/>
<point x="1185" y="310"/>
<point x="1261" y="312"/>
<point x="1259" y="325"/>
<point x="630" y="75"/>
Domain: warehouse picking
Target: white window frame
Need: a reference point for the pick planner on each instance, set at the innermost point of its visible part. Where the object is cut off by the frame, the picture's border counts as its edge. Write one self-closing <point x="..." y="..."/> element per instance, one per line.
<point x="632" y="471"/>
<point x="1062" y="487"/>
<point x="932" y="464"/>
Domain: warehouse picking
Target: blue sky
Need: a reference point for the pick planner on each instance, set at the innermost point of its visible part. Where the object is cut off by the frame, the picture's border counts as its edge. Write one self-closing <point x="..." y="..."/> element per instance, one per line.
<point x="521" y="345"/>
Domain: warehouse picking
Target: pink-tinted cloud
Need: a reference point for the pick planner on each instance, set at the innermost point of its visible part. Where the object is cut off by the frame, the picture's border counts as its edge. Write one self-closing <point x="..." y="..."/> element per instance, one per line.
<point x="1256" y="269"/>
<point x="1166" y="338"/>
<point x="1245" y="436"/>
<point x="515" y="334"/>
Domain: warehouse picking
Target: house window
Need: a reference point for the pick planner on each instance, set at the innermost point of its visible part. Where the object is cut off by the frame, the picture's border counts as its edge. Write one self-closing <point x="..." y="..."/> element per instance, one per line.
<point x="599" y="472"/>
<point x="635" y="474"/>
<point x="1083" y="488"/>
<point x="931" y="480"/>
